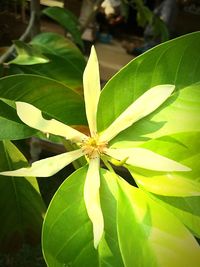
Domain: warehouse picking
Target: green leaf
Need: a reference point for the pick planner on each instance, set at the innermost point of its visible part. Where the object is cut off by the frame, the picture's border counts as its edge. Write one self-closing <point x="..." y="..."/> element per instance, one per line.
<point x="174" y="62"/>
<point x="21" y="205"/>
<point x="66" y="61"/>
<point x="11" y="126"/>
<point x="150" y="235"/>
<point x="169" y="187"/>
<point x="137" y="232"/>
<point x="67" y="230"/>
<point x="182" y="147"/>
<point x="27" y="55"/>
<point x="54" y="99"/>
<point x="186" y="209"/>
<point x="68" y="20"/>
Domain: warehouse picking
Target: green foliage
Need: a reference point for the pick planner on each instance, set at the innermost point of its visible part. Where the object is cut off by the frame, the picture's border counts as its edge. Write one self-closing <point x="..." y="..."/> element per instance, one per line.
<point x="150" y="224"/>
<point x="21" y="206"/>
<point x="27" y="55"/>
<point x="68" y="20"/>
<point x="65" y="61"/>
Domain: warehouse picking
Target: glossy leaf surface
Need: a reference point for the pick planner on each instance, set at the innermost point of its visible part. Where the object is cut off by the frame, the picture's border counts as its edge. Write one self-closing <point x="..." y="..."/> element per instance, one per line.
<point x="55" y="99"/>
<point x="167" y="63"/>
<point x="152" y="232"/>
<point x="149" y="230"/>
<point x="175" y="189"/>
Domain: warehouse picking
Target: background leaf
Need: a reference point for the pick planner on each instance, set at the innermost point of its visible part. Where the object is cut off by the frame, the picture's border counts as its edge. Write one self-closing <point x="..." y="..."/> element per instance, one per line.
<point x="27" y="55"/>
<point x="66" y="63"/>
<point x="53" y="98"/>
<point x="68" y="20"/>
<point x="21" y="206"/>
<point x="11" y="127"/>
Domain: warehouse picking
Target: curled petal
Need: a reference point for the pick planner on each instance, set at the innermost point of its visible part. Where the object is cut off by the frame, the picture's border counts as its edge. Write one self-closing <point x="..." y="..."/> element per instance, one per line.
<point x="92" y="200"/>
<point x="91" y="82"/>
<point x="142" y="107"/>
<point x="46" y="167"/>
<point x="32" y="116"/>
<point x="144" y="158"/>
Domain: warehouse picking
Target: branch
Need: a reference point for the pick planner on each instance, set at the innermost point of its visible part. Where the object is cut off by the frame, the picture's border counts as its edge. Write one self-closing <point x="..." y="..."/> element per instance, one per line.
<point x="23" y="37"/>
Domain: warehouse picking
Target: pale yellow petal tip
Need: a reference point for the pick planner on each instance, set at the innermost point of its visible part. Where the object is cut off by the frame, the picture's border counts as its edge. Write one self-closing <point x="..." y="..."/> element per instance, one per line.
<point x="11" y="173"/>
<point x="171" y="87"/>
<point x="98" y="234"/>
<point x="185" y="168"/>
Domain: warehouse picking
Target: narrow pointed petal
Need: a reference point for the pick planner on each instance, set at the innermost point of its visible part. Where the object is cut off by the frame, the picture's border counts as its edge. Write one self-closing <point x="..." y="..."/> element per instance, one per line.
<point x="32" y="116"/>
<point x="142" y="107"/>
<point x="92" y="200"/>
<point x="46" y="167"/>
<point x="91" y="83"/>
<point x="144" y="158"/>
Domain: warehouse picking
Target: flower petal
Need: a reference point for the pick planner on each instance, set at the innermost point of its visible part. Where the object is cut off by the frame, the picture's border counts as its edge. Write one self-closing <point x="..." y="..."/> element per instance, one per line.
<point x="142" y="107"/>
<point x="46" y="167"/>
<point x="92" y="200"/>
<point x="32" y="116"/>
<point x="144" y="158"/>
<point x="91" y="82"/>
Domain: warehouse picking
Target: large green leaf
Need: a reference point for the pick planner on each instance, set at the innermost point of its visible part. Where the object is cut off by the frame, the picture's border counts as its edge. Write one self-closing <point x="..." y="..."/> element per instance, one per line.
<point x="180" y="113"/>
<point x="183" y="148"/>
<point x="169" y="187"/>
<point x="11" y="126"/>
<point x="138" y="231"/>
<point x="21" y="205"/>
<point x="68" y="20"/>
<point x="66" y="61"/>
<point x="53" y="98"/>
<point x="175" y="62"/>
<point x="149" y="235"/>
<point x="67" y="230"/>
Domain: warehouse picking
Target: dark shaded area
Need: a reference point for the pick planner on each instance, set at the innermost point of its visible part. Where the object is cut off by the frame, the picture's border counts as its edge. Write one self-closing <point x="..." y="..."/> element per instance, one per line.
<point x="11" y="27"/>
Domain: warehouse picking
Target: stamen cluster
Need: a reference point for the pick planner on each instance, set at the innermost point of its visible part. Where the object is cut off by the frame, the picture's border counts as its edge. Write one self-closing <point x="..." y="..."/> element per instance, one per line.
<point x="92" y="148"/>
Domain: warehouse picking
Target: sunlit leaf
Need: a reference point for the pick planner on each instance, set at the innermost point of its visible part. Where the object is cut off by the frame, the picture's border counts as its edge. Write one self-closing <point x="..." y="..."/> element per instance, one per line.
<point x="152" y="232"/>
<point x="174" y="62"/>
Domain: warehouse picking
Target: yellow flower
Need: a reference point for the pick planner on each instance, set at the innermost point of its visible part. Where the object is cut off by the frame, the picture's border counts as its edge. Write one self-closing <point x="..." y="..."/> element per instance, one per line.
<point x="96" y="145"/>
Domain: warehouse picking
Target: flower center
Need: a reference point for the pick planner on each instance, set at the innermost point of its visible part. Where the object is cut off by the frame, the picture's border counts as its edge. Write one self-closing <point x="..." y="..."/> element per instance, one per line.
<point x="92" y="148"/>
